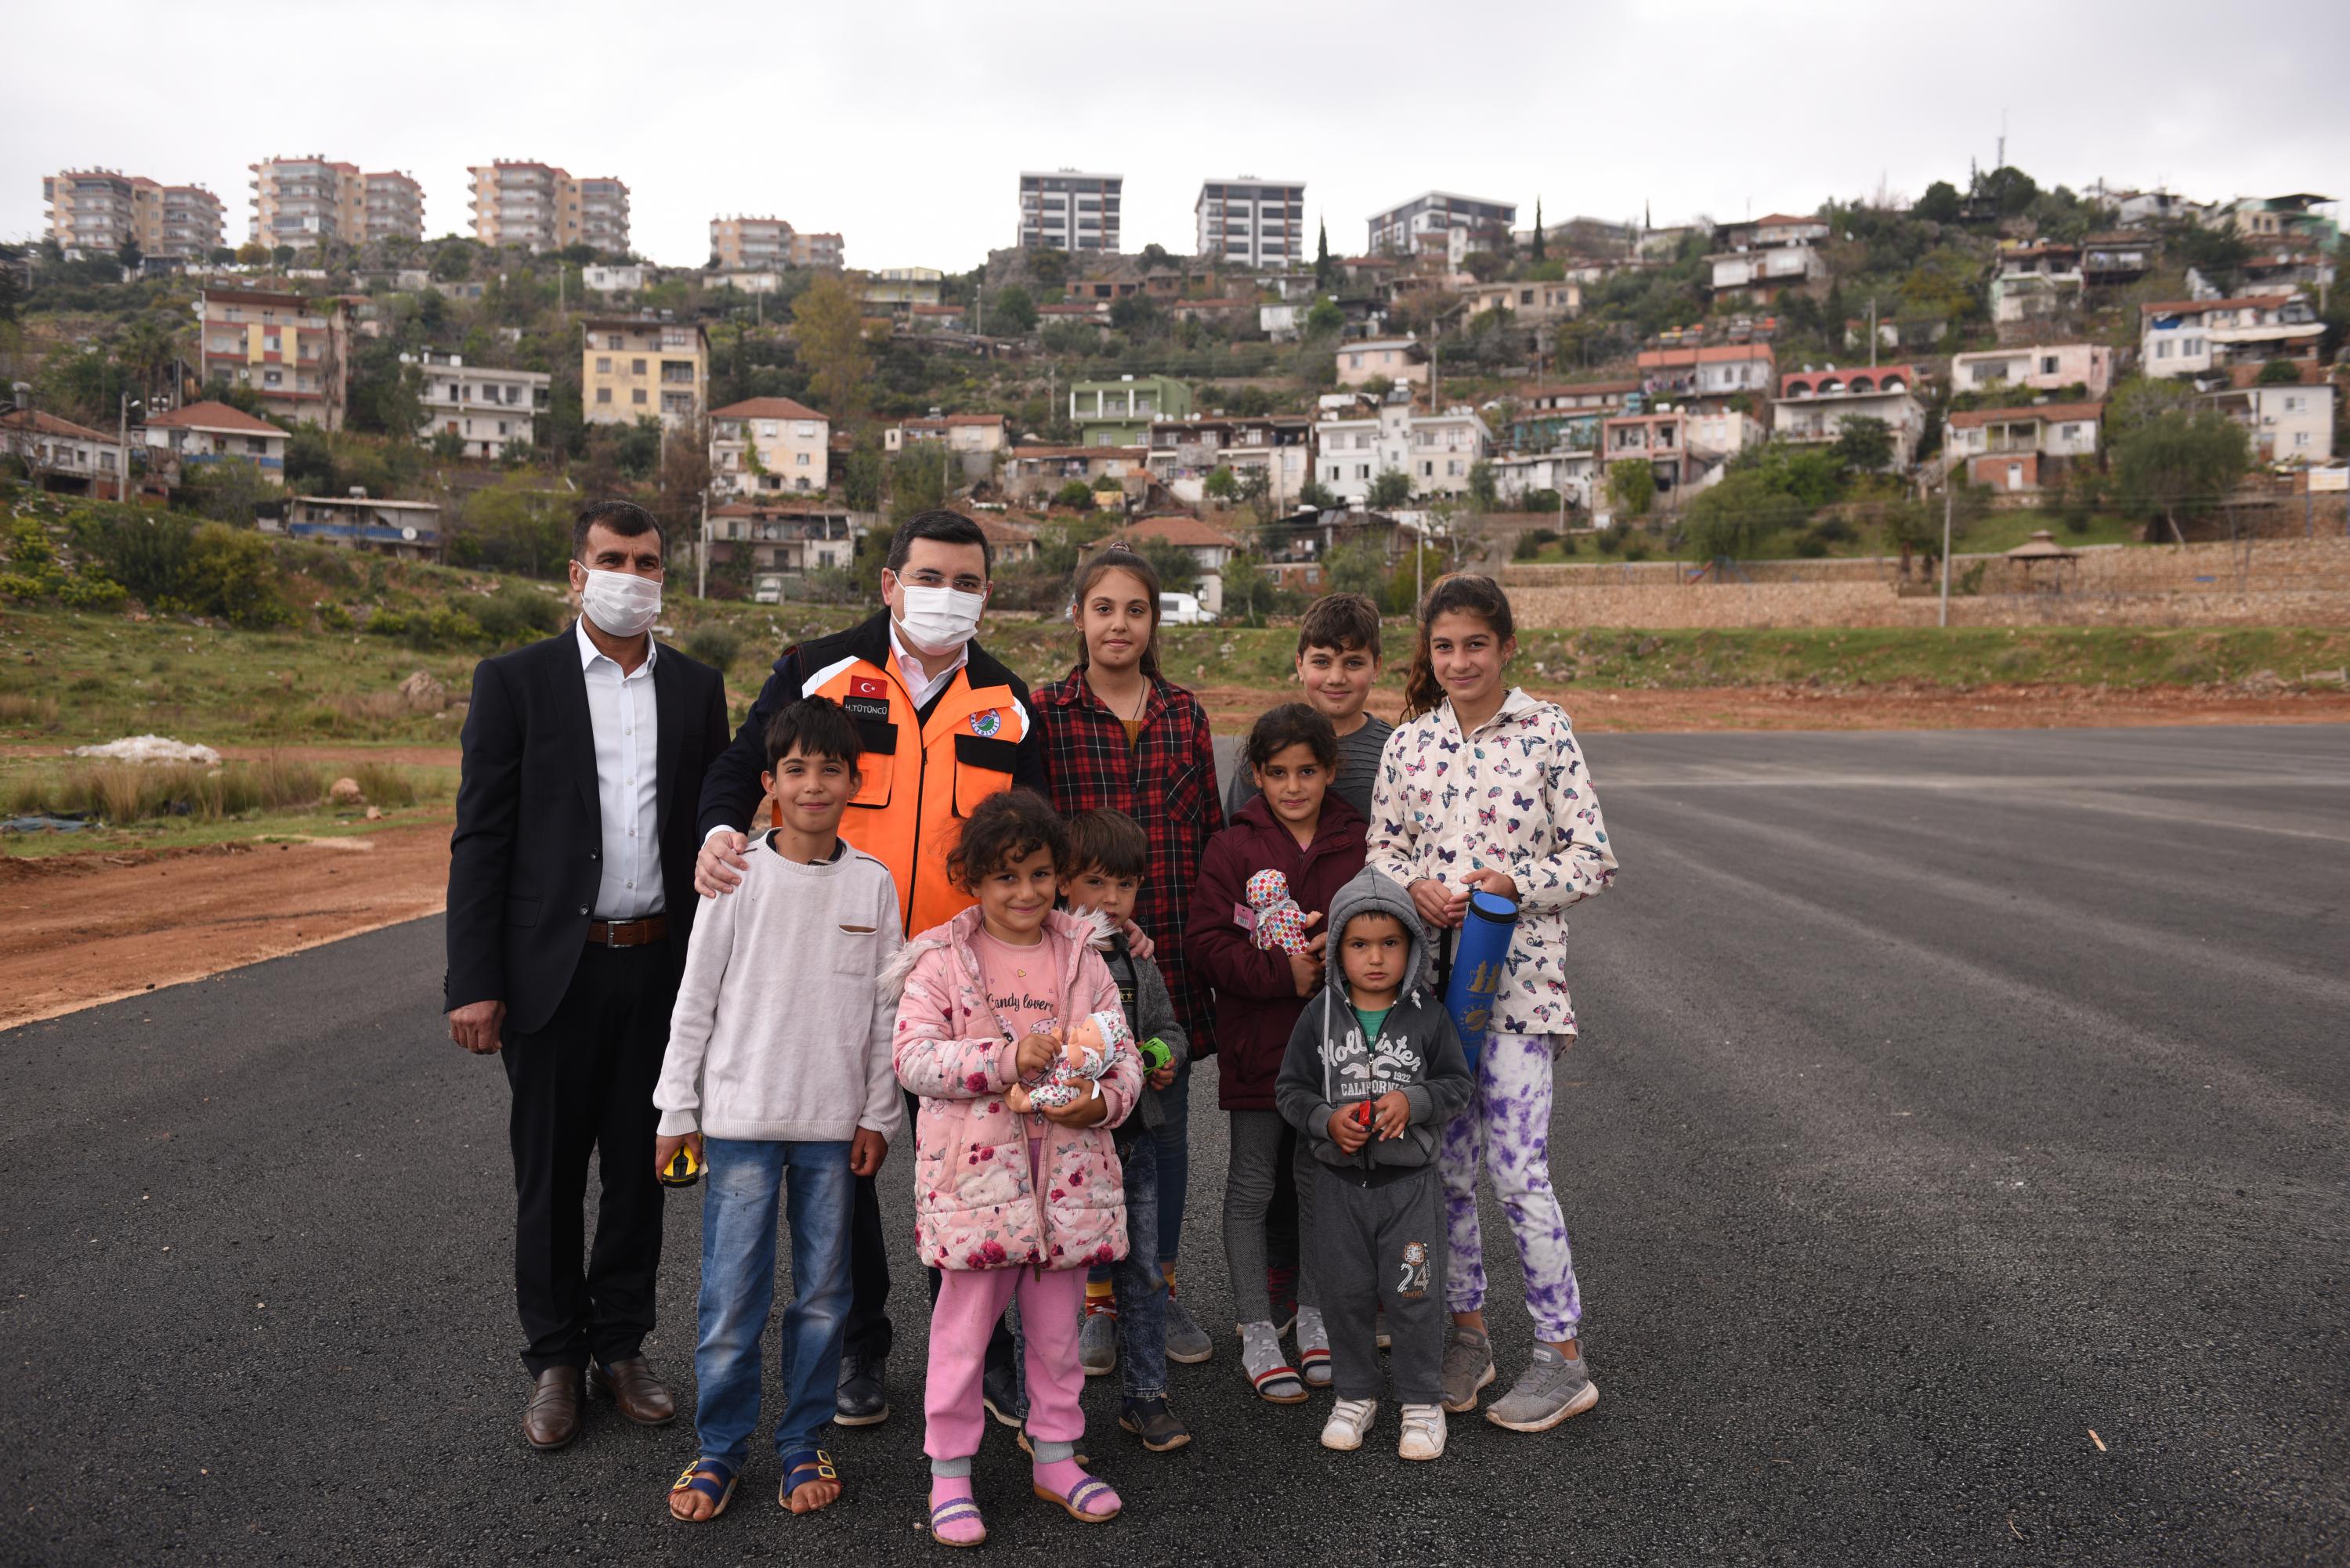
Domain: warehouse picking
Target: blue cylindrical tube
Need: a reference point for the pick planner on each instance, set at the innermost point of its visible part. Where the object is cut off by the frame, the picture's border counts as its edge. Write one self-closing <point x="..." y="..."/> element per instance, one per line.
<point x="1478" y="955"/>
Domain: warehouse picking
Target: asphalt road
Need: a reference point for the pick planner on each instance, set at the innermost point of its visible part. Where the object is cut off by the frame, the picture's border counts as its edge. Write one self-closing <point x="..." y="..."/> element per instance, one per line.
<point x="1945" y="1097"/>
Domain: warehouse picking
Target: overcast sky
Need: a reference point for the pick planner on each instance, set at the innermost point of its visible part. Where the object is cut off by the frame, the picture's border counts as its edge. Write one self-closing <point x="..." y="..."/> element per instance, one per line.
<point x="904" y="126"/>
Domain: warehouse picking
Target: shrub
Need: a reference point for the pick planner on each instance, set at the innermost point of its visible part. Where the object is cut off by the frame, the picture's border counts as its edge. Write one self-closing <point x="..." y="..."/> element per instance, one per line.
<point x="1635" y="549"/>
<point x="335" y="617"/>
<point x="714" y="643"/>
<point x="442" y="626"/>
<point x="17" y="586"/>
<point x="1611" y="540"/>
<point x="384" y="785"/>
<point x="388" y="623"/>
<point x="1075" y="494"/>
<point x="514" y="614"/>
<point x="95" y="593"/>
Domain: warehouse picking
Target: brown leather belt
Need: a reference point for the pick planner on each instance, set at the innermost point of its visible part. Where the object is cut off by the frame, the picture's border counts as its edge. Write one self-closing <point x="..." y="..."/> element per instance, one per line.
<point x="627" y="934"/>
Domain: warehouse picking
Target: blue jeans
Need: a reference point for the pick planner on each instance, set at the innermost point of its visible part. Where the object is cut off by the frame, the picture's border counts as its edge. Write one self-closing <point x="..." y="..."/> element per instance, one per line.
<point x="738" y="1289"/>
<point x="1139" y="1289"/>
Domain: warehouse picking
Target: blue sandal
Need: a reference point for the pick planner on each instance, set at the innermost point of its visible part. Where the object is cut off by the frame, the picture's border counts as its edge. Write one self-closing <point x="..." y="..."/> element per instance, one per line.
<point x="800" y="1468"/>
<point x="713" y="1479"/>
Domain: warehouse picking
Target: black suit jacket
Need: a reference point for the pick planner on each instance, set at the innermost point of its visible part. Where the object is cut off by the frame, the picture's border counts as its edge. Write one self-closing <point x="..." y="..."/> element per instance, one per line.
<point x="523" y="863"/>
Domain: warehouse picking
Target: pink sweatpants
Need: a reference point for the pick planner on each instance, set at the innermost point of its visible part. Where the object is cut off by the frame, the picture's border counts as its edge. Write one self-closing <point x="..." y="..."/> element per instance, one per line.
<point x="968" y="1303"/>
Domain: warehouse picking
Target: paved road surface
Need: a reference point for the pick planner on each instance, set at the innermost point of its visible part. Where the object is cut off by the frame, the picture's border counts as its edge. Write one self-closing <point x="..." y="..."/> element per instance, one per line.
<point x="1946" y="1097"/>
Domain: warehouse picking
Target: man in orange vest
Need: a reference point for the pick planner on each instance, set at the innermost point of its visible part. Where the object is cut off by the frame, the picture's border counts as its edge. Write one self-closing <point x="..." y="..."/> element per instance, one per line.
<point x="943" y="726"/>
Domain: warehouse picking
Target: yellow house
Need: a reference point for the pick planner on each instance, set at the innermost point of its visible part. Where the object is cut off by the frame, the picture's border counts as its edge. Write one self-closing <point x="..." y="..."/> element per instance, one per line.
<point x="764" y="445"/>
<point x="631" y="370"/>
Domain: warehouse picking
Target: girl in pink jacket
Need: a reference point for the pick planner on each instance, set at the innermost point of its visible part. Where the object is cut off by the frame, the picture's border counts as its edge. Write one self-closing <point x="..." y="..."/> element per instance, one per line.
<point x="1002" y="1201"/>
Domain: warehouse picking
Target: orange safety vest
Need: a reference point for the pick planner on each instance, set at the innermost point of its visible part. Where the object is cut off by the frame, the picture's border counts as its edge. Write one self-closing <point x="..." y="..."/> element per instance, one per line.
<point x="917" y="781"/>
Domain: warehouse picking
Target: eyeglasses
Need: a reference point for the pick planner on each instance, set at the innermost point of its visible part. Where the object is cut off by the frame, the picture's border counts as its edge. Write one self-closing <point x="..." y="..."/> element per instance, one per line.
<point x="932" y="577"/>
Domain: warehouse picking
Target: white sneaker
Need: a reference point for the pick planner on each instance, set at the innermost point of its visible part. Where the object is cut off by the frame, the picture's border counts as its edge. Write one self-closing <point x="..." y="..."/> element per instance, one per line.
<point x="1423" y="1432"/>
<point x="1349" y="1420"/>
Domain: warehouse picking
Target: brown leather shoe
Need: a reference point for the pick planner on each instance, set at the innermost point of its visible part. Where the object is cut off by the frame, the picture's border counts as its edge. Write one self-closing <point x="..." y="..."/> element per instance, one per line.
<point x="641" y="1396"/>
<point x="551" y="1420"/>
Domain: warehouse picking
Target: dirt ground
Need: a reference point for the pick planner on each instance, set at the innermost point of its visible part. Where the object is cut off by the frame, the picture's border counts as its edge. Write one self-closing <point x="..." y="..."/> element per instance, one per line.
<point x="101" y="926"/>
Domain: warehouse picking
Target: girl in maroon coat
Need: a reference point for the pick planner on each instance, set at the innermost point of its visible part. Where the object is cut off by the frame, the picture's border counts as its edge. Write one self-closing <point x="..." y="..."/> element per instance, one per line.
<point x="1297" y="827"/>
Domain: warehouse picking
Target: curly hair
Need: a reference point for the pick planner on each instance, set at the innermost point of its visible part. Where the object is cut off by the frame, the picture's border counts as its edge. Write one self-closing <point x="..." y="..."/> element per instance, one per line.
<point x="1003" y="830"/>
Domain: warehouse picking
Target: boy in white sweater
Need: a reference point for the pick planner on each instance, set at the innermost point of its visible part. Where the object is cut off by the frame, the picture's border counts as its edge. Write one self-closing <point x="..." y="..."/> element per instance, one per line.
<point x="779" y="1062"/>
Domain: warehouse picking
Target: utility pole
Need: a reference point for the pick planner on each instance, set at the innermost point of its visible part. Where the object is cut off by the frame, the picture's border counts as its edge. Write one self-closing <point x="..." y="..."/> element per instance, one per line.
<point x="1948" y="491"/>
<point x="122" y="450"/>
<point x="701" y="551"/>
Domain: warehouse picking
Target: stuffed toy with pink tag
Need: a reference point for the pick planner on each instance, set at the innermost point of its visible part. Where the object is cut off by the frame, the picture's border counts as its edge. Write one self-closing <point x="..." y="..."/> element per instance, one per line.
<point x="1088" y="1050"/>
<point x="1280" y="922"/>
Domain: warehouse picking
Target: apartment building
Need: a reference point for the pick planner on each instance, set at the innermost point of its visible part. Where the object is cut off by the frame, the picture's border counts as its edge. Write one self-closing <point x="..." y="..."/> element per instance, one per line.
<point x="1724" y="370"/>
<point x="2196" y="337"/>
<point x="1275" y="450"/>
<point x="767" y="446"/>
<point x="302" y="201"/>
<point x="631" y="368"/>
<point x="1529" y="302"/>
<point x="1435" y="449"/>
<point x="753" y="245"/>
<point x="1067" y="210"/>
<point x="1484" y="225"/>
<point x="294" y="351"/>
<point x="97" y="211"/>
<point x="1397" y="359"/>
<point x="2291" y="421"/>
<point x="1813" y="405"/>
<point x="1251" y="223"/>
<point x="544" y="208"/>
<point x="1120" y="413"/>
<point x="2010" y="449"/>
<point x="484" y="408"/>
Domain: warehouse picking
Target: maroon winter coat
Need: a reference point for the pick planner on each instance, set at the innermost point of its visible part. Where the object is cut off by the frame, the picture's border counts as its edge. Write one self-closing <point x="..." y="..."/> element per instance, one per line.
<point x="1257" y="1002"/>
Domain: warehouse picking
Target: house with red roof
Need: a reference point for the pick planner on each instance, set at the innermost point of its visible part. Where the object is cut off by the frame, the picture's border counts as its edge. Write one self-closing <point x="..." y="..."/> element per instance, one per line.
<point x="209" y="431"/>
<point x="1813" y="405"/>
<point x="770" y="446"/>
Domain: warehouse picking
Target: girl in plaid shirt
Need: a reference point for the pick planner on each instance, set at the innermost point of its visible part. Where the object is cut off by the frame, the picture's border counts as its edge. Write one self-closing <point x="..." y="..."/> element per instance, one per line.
<point x="1119" y="736"/>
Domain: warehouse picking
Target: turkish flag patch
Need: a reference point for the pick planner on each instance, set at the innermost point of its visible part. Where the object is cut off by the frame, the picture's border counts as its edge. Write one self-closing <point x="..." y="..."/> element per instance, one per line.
<point x="865" y="686"/>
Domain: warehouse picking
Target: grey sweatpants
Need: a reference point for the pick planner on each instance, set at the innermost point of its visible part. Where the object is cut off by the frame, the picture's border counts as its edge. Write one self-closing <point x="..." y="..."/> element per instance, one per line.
<point x="1373" y="1247"/>
<point x="1248" y="1195"/>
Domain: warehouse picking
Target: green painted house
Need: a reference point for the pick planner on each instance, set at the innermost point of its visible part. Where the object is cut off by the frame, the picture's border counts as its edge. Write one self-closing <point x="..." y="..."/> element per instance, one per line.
<point x="1120" y="412"/>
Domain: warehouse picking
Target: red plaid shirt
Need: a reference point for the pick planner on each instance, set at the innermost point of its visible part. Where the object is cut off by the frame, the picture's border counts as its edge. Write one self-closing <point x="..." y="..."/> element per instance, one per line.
<point x="1166" y="781"/>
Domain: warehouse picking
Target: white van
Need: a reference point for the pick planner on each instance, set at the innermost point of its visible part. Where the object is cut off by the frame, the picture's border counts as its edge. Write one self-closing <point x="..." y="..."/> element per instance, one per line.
<point x="1182" y="609"/>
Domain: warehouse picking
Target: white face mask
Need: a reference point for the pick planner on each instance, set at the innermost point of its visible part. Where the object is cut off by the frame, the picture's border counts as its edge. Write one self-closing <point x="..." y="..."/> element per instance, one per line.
<point x="938" y="621"/>
<point x="620" y="603"/>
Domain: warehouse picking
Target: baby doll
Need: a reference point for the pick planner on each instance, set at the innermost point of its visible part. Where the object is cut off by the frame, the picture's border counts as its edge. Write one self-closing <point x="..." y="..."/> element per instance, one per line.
<point x="1280" y="922"/>
<point x="1087" y="1051"/>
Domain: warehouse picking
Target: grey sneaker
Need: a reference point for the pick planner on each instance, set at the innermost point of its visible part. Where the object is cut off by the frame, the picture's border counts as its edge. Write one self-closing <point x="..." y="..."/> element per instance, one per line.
<point x="1468" y="1367"/>
<point x="1550" y="1389"/>
<point x="1186" y="1341"/>
<point x="1097" y="1343"/>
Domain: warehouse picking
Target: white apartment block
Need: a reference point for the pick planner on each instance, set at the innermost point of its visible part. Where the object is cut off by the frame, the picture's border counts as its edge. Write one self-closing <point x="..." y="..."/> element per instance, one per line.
<point x="2043" y="368"/>
<point x="1435" y="450"/>
<point x="1484" y="223"/>
<point x="482" y="406"/>
<point x="2196" y="337"/>
<point x="96" y="212"/>
<point x="1067" y="210"/>
<point x="1250" y="222"/>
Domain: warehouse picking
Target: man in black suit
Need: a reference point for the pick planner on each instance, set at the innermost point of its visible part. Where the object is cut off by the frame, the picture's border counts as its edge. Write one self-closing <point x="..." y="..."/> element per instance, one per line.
<point x="570" y="897"/>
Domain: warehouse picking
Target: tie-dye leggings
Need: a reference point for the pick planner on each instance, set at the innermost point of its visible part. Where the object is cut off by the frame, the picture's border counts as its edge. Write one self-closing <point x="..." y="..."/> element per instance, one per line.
<point x="1506" y="1129"/>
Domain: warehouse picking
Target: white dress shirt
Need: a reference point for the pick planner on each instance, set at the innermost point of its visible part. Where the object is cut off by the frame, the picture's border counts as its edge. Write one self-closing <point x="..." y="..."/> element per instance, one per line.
<point x="919" y="686"/>
<point x="627" y="722"/>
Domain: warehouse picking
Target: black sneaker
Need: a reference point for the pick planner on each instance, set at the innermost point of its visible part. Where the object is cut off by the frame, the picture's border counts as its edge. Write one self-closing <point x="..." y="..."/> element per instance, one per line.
<point x="1159" y="1428"/>
<point x="999" y="1390"/>
<point x="860" y="1400"/>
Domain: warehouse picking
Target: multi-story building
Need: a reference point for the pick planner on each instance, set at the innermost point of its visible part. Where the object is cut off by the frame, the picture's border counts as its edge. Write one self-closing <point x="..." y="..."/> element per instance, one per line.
<point x="61" y="454"/>
<point x="1250" y="222"/>
<point x="302" y="201"/>
<point x="2034" y="282"/>
<point x="2010" y="449"/>
<point x="1722" y="371"/>
<point x="631" y="368"/>
<point x="766" y="446"/>
<point x="1402" y="361"/>
<point x="754" y="244"/>
<point x="1436" y="450"/>
<point x="2048" y="368"/>
<point x="895" y="289"/>
<point x="1274" y="451"/>
<point x="2196" y="337"/>
<point x="966" y="433"/>
<point x="294" y="351"/>
<point x="1485" y="225"/>
<point x="2289" y="421"/>
<point x="544" y="208"/>
<point x="1066" y="210"/>
<point x="1529" y="302"/>
<point x="484" y="408"/>
<point x="2271" y="217"/>
<point x="1120" y="413"/>
<point x="97" y="211"/>
<point x="210" y="432"/>
<point x="1813" y="405"/>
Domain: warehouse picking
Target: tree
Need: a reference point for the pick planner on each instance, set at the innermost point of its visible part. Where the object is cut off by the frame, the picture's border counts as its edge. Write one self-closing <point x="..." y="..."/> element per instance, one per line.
<point x="1939" y="204"/>
<point x="309" y="461"/>
<point x="637" y="449"/>
<point x="252" y="253"/>
<point x="1391" y="489"/>
<point x="917" y="480"/>
<point x="1864" y="443"/>
<point x="229" y="490"/>
<point x="1325" y="319"/>
<point x="1483" y="495"/>
<point x="1323" y="271"/>
<point x="1011" y="310"/>
<point x="220" y="255"/>
<point x="1137" y="316"/>
<point x="1534" y="253"/>
<point x="1076" y="496"/>
<point x="860" y="479"/>
<point x="829" y="329"/>
<point x="386" y="396"/>
<point x="1316" y="494"/>
<point x="129" y="255"/>
<point x="453" y="261"/>
<point x="1222" y="485"/>
<point x="283" y="254"/>
<point x="1050" y="268"/>
<point x="1632" y="486"/>
<point x="2218" y="256"/>
<point x="2180" y="463"/>
<point x="2279" y="373"/>
<point x="2009" y="191"/>
<point x="512" y="527"/>
<point x="1915" y="529"/>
